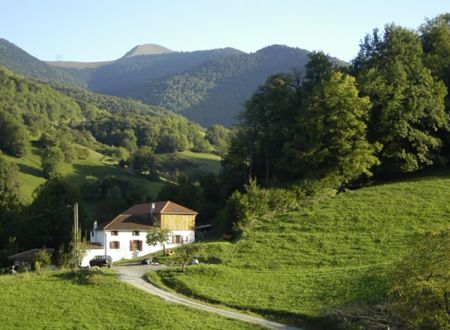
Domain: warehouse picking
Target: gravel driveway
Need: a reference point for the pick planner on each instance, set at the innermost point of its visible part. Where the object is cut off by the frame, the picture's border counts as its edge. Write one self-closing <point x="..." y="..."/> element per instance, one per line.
<point x="134" y="275"/>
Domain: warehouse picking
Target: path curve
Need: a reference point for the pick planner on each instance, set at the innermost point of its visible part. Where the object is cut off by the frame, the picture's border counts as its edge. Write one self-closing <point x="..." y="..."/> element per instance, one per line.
<point x="134" y="275"/>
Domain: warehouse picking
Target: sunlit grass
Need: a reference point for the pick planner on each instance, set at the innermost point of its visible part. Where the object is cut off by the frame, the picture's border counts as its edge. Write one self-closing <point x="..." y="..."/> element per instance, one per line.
<point x="339" y="252"/>
<point x="55" y="300"/>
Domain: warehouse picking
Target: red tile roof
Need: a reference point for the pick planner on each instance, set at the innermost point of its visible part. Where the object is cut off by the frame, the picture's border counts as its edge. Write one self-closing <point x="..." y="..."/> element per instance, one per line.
<point x="138" y="217"/>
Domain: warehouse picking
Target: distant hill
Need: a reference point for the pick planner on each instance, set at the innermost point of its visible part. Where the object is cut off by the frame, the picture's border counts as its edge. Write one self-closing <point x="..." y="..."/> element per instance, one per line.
<point x="208" y="86"/>
<point x="214" y="91"/>
<point x="123" y="76"/>
<point x="148" y="49"/>
<point x="77" y="65"/>
<point x="21" y="62"/>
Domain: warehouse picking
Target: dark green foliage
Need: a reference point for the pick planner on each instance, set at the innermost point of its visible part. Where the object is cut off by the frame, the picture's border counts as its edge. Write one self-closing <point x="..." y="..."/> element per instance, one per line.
<point x="9" y="186"/>
<point x="14" y="138"/>
<point x="143" y="162"/>
<point x="308" y="130"/>
<point x="10" y="206"/>
<point x="408" y="104"/>
<point x="50" y="216"/>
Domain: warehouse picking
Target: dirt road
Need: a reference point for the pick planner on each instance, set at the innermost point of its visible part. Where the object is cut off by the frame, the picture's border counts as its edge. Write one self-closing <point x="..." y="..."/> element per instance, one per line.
<point x="134" y="275"/>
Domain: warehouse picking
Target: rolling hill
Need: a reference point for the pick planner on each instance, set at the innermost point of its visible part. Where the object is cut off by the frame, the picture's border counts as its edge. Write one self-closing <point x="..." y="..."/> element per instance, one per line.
<point x="338" y="253"/>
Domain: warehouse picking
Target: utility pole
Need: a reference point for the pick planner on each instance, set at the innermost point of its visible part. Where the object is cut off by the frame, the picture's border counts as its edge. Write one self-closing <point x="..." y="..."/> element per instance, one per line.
<point x="75" y="229"/>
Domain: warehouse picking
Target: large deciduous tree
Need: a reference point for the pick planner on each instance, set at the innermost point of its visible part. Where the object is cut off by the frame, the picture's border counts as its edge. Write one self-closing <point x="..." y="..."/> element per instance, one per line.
<point x="331" y="138"/>
<point x="408" y="104"/>
<point x="267" y="119"/>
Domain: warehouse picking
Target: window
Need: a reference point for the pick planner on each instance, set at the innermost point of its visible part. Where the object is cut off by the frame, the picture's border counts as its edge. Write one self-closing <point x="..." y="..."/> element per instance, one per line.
<point x="135" y="245"/>
<point x="114" y="245"/>
<point x="136" y="233"/>
<point x="114" y="233"/>
<point x="177" y="239"/>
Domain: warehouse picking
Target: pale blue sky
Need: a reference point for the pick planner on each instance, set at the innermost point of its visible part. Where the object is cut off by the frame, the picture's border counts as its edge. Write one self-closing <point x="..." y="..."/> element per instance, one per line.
<point x="95" y="30"/>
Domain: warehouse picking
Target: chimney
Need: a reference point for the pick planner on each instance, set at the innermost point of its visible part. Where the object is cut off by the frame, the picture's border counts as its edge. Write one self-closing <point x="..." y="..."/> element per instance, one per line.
<point x="152" y="208"/>
<point x="95" y="225"/>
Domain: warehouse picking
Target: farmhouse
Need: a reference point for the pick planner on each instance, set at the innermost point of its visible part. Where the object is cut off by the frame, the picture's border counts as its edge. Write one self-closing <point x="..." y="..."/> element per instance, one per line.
<point x="125" y="235"/>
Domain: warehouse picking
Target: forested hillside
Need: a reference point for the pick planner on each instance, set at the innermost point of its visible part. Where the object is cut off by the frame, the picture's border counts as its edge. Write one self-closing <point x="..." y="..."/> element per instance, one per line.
<point x="208" y="87"/>
<point x="59" y="145"/>
<point x="21" y="62"/>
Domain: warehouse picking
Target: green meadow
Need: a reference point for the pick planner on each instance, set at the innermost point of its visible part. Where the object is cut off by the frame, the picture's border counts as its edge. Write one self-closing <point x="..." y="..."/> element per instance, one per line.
<point x="339" y="252"/>
<point x="57" y="300"/>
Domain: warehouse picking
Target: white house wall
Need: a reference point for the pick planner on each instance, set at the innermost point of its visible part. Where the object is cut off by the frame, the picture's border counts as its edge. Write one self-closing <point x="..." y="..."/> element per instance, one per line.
<point x="124" y="238"/>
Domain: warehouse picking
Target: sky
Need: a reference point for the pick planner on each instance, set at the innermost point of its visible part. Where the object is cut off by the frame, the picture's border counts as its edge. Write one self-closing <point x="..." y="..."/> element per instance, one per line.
<point x="99" y="30"/>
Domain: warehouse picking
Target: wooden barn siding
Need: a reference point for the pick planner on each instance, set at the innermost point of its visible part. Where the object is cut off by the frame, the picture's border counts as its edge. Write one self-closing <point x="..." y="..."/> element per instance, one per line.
<point x="177" y="222"/>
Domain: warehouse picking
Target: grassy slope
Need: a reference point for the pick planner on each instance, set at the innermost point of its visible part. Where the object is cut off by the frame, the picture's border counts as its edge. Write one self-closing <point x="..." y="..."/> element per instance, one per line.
<point x="95" y="165"/>
<point x="328" y="255"/>
<point x="54" y="300"/>
<point x="206" y="162"/>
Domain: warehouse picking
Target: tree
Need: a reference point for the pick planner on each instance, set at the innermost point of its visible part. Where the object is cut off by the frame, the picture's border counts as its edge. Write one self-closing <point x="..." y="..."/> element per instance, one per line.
<point x="10" y="206"/>
<point x="219" y="137"/>
<point x="143" y="161"/>
<point x="407" y="103"/>
<point x="9" y="187"/>
<point x="14" y="138"/>
<point x="52" y="216"/>
<point x="331" y="138"/>
<point x="420" y="295"/>
<point x="186" y="253"/>
<point x="158" y="236"/>
<point x="267" y="119"/>
<point x="52" y="159"/>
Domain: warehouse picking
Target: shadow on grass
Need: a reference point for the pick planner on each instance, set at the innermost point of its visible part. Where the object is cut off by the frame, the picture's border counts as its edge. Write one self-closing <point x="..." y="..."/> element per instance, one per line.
<point x="83" y="276"/>
<point x="30" y="170"/>
<point x="169" y="280"/>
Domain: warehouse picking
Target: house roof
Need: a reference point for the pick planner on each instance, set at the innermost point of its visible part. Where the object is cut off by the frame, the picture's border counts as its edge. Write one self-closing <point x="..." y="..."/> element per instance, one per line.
<point x="29" y="254"/>
<point x="139" y="217"/>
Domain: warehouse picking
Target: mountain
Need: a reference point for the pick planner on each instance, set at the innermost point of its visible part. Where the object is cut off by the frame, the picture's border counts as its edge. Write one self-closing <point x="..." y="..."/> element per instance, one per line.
<point x="214" y="91"/>
<point x="124" y="75"/>
<point x="208" y="86"/>
<point x="148" y="49"/>
<point x="21" y="62"/>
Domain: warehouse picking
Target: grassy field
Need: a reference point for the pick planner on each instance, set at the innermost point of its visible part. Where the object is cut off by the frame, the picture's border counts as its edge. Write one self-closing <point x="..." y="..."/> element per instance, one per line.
<point x="55" y="300"/>
<point x="340" y="252"/>
<point x="206" y="162"/>
<point x="96" y="165"/>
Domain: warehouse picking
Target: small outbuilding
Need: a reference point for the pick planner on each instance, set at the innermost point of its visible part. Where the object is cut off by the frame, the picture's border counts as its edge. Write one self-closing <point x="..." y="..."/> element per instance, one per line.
<point x="26" y="259"/>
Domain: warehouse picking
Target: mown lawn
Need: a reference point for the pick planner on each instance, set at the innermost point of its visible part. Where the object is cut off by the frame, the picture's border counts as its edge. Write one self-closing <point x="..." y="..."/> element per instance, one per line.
<point x="339" y="252"/>
<point x="55" y="300"/>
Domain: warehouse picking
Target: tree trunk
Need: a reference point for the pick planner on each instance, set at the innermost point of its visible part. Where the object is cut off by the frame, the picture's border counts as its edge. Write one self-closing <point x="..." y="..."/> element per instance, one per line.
<point x="164" y="249"/>
<point x="266" y="151"/>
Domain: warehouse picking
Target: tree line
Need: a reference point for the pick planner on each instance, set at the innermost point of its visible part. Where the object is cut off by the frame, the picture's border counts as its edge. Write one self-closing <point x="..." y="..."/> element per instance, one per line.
<point x="387" y="113"/>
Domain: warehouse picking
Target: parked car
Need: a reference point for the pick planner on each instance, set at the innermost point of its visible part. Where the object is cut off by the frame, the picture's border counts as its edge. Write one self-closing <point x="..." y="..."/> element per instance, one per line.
<point x="101" y="261"/>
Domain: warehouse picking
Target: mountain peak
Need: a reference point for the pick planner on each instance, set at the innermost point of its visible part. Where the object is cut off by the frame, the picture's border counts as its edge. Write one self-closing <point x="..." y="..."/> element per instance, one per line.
<point x="147" y="49"/>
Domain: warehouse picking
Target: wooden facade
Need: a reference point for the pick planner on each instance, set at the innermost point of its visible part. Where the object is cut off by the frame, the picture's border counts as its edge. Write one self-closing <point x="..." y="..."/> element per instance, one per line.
<point x="177" y="221"/>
